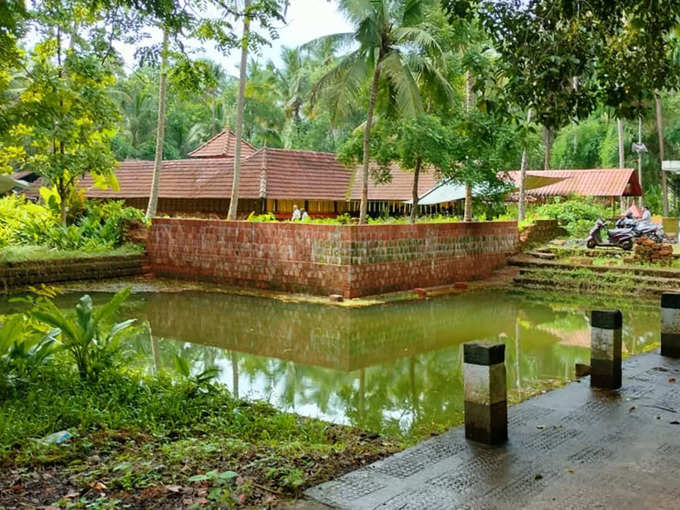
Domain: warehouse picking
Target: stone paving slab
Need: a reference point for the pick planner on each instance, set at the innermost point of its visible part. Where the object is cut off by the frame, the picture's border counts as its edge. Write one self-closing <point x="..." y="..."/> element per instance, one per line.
<point x="573" y="448"/>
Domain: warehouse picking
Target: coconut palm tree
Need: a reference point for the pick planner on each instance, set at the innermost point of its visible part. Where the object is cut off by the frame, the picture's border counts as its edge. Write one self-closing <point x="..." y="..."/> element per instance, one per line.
<point x="385" y="31"/>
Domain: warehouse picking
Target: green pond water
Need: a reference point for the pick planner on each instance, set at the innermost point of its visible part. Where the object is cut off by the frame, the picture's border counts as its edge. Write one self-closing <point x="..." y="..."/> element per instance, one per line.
<point x="391" y="368"/>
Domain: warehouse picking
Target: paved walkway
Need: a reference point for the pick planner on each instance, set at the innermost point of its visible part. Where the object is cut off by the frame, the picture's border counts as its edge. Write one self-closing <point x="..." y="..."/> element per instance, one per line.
<point x="572" y="448"/>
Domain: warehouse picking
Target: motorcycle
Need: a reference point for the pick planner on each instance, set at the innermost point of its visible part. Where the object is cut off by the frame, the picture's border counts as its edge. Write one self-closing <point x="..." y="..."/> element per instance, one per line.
<point x="642" y="227"/>
<point x="618" y="237"/>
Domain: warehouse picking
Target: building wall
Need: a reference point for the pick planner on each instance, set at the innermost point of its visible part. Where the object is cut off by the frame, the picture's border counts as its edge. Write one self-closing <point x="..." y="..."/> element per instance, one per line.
<point x="324" y="259"/>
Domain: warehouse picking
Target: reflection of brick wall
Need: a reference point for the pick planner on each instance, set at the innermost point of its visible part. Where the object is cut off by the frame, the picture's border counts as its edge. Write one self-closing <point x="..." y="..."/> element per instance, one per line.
<point x="322" y="259"/>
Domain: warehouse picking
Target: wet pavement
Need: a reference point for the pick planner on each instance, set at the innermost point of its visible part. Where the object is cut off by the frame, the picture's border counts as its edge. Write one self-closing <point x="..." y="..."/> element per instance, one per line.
<point x="573" y="448"/>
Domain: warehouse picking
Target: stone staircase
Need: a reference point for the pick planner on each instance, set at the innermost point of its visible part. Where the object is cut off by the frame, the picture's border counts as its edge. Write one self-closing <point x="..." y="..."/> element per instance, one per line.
<point x="539" y="272"/>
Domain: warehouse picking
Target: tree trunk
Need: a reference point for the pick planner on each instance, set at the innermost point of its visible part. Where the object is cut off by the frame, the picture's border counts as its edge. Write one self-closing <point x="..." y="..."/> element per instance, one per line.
<point x="521" y="205"/>
<point x="213" y="108"/>
<point x="367" y="140"/>
<point x="469" y="103"/>
<point x="547" y="143"/>
<point x="160" y="131"/>
<point x="233" y="203"/>
<point x="414" y="195"/>
<point x="467" y="214"/>
<point x="640" y="159"/>
<point x="622" y="156"/>
<point x="659" y="130"/>
<point x="63" y="200"/>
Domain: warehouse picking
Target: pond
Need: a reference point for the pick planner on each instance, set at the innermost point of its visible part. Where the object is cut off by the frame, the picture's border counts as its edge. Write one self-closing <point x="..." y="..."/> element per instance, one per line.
<point x="393" y="368"/>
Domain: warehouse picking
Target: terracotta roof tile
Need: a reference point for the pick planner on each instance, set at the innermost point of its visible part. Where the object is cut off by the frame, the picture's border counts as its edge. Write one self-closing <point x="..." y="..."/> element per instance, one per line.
<point x="271" y="173"/>
<point x="296" y="174"/>
<point x="400" y="188"/>
<point x="596" y="182"/>
<point x="222" y="145"/>
<point x="181" y="178"/>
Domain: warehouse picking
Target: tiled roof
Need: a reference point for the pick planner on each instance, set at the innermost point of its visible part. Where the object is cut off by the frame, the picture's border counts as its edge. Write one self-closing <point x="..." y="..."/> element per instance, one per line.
<point x="222" y="145"/>
<point x="271" y="173"/>
<point x="294" y="174"/>
<point x="180" y="178"/>
<point x="400" y="188"/>
<point x="598" y="182"/>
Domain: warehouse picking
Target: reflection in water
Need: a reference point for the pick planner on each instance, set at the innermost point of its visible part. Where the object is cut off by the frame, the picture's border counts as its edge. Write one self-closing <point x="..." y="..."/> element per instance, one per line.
<point x="384" y="368"/>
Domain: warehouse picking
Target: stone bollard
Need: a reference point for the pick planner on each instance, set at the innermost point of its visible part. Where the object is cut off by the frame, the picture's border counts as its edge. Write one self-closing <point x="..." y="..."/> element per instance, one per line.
<point x="605" y="349"/>
<point x="670" y="324"/>
<point x="485" y="389"/>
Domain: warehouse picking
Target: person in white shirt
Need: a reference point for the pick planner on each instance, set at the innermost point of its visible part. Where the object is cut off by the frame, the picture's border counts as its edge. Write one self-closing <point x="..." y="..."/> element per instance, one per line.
<point x="296" y="214"/>
<point x="305" y="216"/>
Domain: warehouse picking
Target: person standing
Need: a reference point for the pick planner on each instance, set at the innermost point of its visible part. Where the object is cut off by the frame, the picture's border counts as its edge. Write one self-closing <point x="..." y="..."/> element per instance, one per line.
<point x="296" y="214"/>
<point x="305" y="216"/>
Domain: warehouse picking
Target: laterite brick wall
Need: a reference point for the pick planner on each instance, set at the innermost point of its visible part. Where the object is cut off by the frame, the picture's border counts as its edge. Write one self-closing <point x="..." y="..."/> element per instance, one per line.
<point x="323" y="259"/>
<point x="22" y="274"/>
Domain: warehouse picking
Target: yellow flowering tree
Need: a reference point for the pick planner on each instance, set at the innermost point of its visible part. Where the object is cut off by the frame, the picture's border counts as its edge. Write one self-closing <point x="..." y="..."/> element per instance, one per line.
<point x="63" y="120"/>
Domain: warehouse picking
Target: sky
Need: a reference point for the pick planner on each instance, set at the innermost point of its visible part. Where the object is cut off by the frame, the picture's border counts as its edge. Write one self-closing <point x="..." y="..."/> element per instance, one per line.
<point x="305" y="20"/>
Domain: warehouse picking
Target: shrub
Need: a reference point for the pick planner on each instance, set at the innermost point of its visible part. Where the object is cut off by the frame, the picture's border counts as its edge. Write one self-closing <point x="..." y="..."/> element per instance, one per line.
<point x="92" y="344"/>
<point x="22" y="351"/>
<point x="98" y="226"/>
<point x="577" y="216"/>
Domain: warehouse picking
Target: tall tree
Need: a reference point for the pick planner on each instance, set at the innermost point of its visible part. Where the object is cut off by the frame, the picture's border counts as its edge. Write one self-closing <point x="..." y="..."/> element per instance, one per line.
<point x="233" y="202"/>
<point x="160" y="130"/>
<point x="383" y="30"/>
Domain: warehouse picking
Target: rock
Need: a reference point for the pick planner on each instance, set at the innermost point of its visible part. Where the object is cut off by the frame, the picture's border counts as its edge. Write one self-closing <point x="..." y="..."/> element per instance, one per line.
<point x="582" y="370"/>
<point x="336" y="298"/>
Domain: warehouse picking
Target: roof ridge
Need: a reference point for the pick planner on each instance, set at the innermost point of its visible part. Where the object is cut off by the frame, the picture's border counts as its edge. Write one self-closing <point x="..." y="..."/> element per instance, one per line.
<point x="283" y="149"/>
<point x="208" y="141"/>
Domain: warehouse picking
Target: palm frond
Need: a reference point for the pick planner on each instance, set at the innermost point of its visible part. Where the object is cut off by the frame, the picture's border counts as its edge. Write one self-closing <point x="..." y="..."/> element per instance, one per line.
<point x="407" y="96"/>
<point x="419" y="36"/>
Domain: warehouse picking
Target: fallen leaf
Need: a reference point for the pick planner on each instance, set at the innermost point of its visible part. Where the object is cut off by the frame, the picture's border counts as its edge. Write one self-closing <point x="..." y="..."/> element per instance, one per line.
<point x="569" y="470"/>
<point x="671" y="379"/>
<point x="72" y="494"/>
<point x="538" y="477"/>
<point x="540" y="427"/>
<point x="173" y="488"/>
<point x="99" y="486"/>
<point x="242" y="499"/>
<point x="632" y="409"/>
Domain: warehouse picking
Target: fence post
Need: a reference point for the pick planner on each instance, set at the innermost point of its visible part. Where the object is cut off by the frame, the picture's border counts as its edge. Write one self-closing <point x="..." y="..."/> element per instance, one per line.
<point x="485" y="389"/>
<point x="605" y="348"/>
<point x="670" y="323"/>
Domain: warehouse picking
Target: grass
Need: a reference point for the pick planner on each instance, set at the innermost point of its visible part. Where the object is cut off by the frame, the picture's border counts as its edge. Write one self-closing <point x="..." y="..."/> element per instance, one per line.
<point x="156" y="442"/>
<point x="37" y="253"/>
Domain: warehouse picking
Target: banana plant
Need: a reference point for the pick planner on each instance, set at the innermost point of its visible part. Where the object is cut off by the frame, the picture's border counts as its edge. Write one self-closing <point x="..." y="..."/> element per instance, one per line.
<point x="88" y="337"/>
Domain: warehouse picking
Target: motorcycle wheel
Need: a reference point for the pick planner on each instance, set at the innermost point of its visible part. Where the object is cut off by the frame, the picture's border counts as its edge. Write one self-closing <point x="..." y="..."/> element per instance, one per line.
<point x="591" y="243"/>
<point x="627" y="245"/>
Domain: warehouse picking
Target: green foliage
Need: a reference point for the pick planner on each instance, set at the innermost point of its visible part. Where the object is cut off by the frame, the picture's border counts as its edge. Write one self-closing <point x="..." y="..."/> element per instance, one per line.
<point x="87" y="337"/>
<point x="259" y="218"/>
<point x="576" y="215"/>
<point x="64" y="119"/>
<point x="23" y="351"/>
<point x="195" y="383"/>
<point x="99" y="226"/>
<point x="579" y="145"/>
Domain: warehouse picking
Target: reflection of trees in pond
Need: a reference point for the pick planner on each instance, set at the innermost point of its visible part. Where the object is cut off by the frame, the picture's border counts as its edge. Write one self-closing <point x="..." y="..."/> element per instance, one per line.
<point x="384" y="368"/>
